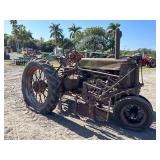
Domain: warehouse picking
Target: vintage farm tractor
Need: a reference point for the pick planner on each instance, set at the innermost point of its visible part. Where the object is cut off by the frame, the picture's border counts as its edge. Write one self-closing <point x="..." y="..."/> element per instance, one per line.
<point x="100" y="86"/>
<point x="148" y="61"/>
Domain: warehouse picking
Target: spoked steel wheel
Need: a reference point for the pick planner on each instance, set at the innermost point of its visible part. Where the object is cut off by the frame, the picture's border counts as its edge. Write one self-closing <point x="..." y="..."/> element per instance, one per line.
<point x="40" y="87"/>
<point x="134" y="112"/>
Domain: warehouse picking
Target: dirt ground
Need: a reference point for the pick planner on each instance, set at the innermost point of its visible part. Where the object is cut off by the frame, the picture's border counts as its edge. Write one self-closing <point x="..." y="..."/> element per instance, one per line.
<point x="21" y="123"/>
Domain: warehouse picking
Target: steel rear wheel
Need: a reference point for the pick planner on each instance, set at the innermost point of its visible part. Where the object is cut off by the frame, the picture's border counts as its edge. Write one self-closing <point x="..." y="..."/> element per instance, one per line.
<point x="134" y="112"/>
<point x="40" y="87"/>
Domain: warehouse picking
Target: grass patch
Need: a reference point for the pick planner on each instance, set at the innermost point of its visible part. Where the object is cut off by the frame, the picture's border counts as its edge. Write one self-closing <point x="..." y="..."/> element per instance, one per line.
<point x="8" y="62"/>
<point x="148" y="69"/>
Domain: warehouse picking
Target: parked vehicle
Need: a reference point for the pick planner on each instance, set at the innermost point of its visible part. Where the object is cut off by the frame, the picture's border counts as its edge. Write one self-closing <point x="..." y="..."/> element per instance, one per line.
<point x="100" y="86"/>
<point x="6" y="56"/>
<point x="149" y="61"/>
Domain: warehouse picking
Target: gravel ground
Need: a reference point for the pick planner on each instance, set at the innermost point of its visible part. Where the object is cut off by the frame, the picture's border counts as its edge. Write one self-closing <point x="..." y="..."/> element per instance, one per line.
<point x="21" y="123"/>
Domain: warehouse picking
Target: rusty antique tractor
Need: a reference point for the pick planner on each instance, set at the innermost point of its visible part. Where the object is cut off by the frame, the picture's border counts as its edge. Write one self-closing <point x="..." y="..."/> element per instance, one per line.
<point x="100" y="87"/>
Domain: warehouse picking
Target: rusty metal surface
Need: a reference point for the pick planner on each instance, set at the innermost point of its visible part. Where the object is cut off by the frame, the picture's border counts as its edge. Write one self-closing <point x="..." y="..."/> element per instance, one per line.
<point x="101" y="63"/>
<point x="97" y="72"/>
<point x="83" y="109"/>
<point x="118" y="35"/>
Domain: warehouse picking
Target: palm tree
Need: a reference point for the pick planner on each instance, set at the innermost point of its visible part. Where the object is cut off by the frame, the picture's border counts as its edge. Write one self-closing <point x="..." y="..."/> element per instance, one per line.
<point x="15" y="32"/>
<point x="110" y="34"/>
<point x="13" y="23"/>
<point x="21" y="35"/>
<point x="113" y="26"/>
<point x="56" y="34"/>
<point x="75" y="32"/>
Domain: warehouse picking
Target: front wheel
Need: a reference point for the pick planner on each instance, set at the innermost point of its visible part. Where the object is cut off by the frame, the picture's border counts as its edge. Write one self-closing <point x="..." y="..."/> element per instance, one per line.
<point x="40" y="87"/>
<point x="134" y="112"/>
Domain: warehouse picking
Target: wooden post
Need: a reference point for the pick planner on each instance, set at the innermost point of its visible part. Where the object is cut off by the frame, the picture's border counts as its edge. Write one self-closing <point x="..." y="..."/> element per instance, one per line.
<point x="118" y="35"/>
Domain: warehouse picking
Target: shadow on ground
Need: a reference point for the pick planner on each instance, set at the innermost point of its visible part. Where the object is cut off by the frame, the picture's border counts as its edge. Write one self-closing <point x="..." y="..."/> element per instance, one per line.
<point x="103" y="131"/>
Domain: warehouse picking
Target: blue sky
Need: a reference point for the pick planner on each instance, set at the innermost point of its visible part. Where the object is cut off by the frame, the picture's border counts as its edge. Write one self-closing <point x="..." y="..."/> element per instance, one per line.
<point x="135" y="33"/>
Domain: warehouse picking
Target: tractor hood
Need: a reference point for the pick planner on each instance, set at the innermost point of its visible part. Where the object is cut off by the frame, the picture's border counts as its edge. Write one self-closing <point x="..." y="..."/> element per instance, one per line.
<point x="102" y="63"/>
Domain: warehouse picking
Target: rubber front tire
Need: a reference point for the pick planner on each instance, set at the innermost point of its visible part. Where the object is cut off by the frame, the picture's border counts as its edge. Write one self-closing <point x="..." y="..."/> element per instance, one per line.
<point x="143" y="105"/>
<point x="53" y="83"/>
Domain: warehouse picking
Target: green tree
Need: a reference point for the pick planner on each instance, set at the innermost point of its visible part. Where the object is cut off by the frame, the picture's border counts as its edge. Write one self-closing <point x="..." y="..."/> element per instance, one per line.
<point x="41" y="42"/>
<point x="67" y="44"/>
<point x="23" y="35"/>
<point x="9" y="40"/>
<point x="56" y="34"/>
<point x="93" y="43"/>
<point x="75" y="34"/>
<point x="47" y="46"/>
<point x="95" y="31"/>
<point x="146" y="51"/>
<point x="94" y="38"/>
<point x="14" y="26"/>
<point x="6" y="38"/>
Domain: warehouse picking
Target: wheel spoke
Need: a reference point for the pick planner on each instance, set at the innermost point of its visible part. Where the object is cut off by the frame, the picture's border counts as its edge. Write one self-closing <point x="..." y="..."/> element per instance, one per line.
<point x="42" y="76"/>
<point x="36" y="76"/>
<point x="36" y="94"/>
<point x="33" y="79"/>
<point x="44" y="95"/>
<point x="45" y="79"/>
<point x="39" y="86"/>
<point x="40" y="97"/>
<point x="40" y="73"/>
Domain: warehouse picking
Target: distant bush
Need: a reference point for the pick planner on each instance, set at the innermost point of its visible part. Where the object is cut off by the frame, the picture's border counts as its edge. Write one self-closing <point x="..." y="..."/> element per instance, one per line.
<point x="145" y="51"/>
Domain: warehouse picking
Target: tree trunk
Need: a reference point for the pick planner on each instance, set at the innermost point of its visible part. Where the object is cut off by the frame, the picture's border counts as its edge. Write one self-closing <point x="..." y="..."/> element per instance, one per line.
<point x="55" y="50"/>
<point x="17" y="46"/>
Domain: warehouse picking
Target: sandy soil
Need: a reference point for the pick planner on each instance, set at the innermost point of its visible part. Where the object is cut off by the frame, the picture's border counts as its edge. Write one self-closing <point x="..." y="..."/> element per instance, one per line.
<point x="21" y="123"/>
